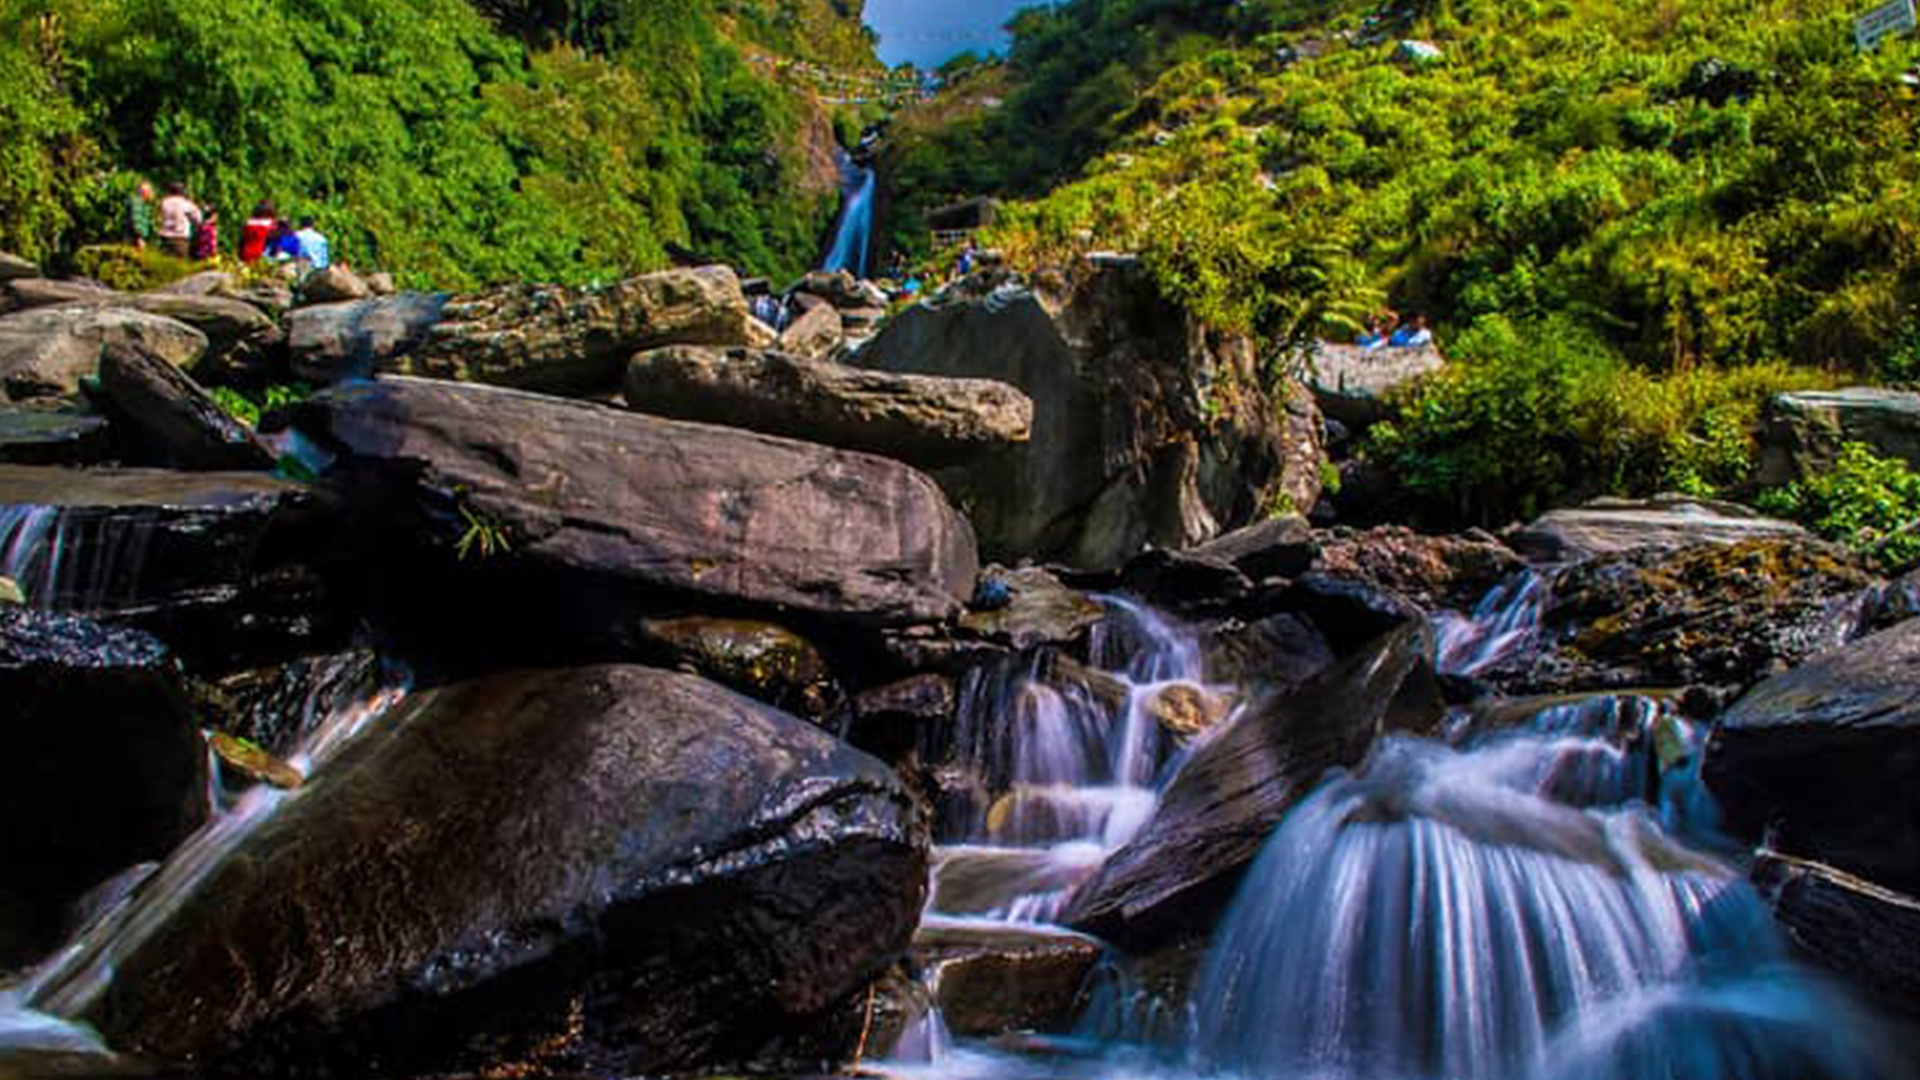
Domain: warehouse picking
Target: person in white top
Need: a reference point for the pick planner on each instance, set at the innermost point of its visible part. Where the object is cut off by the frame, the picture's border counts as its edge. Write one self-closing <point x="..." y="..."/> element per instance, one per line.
<point x="179" y="220"/>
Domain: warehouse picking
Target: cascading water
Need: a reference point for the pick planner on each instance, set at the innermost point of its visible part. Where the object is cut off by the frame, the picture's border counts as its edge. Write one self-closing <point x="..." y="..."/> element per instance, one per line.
<point x="1505" y="622"/>
<point x="37" y="1013"/>
<point x="1077" y="758"/>
<point x="852" y="233"/>
<point x="67" y="561"/>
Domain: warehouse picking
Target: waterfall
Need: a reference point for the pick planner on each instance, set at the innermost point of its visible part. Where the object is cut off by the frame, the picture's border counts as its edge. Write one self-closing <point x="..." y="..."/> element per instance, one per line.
<point x="69" y="560"/>
<point x="1442" y="913"/>
<point x="853" y="231"/>
<point x="1504" y="623"/>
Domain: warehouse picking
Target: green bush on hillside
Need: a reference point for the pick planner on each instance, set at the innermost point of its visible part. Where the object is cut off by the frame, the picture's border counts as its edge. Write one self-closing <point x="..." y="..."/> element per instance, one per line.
<point x="1536" y="415"/>
<point x="1868" y="502"/>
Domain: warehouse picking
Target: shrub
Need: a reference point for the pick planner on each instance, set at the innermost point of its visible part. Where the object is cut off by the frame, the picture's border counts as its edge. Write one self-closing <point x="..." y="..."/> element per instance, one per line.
<point x="132" y="269"/>
<point x="1869" y="503"/>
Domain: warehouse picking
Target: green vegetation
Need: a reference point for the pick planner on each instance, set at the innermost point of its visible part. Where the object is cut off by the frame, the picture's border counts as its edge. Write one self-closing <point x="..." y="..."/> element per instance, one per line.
<point x="249" y="406"/>
<point x="1630" y="220"/>
<point x="1868" y="502"/>
<point x="561" y="142"/>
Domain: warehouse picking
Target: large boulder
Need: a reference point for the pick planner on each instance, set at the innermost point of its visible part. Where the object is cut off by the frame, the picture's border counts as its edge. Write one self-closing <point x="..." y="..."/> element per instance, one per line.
<point x="13" y="267"/>
<point x="1175" y="877"/>
<point x="816" y="331"/>
<point x="46" y="352"/>
<point x="611" y="870"/>
<point x="1803" y="432"/>
<point x="237" y="332"/>
<point x="333" y="285"/>
<point x="1435" y="572"/>
<point x="613" y="510"/>
<point x="168" y="419"/>
<point x="1148" y="428"/>
<point x="926" y="421"/>
<point x="578" y="340"/>
<point x="1867" y="934"/>
<point x="101" y="766"/>
<point x="1664" y="522"/>
<point x="22" y="294"/>
<point x="1715" y="615"/>
<point x="1353" y="385"/>
<point x="1822" y="760"/>
<point x="331" y="342"/>
<point x="226" y="568"/>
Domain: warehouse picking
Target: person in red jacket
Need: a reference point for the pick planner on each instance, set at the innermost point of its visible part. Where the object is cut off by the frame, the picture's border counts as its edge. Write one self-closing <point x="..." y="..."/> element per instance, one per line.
<point x="254" y="234"/>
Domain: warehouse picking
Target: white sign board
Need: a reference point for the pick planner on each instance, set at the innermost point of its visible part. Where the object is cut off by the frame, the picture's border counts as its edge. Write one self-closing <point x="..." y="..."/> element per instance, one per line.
<point x="1892" y="17"/>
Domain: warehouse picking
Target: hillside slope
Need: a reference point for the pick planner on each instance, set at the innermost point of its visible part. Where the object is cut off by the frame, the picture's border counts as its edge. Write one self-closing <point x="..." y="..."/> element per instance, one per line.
<point x="454" y="142"/>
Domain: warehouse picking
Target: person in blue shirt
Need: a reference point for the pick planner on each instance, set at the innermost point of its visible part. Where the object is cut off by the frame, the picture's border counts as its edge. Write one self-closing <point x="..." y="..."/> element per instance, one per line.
<point x="313" y="245"/>
<point x="1414" y="335"/>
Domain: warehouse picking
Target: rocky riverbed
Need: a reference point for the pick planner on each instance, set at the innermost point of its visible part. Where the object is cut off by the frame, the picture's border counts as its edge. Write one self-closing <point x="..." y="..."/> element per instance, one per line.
<point x="599" y="681"/>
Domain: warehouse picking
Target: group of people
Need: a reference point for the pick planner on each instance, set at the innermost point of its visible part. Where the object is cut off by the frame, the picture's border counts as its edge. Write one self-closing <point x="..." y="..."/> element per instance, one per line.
<point x="181" y="228"/>
<point x="1385" y="330"/>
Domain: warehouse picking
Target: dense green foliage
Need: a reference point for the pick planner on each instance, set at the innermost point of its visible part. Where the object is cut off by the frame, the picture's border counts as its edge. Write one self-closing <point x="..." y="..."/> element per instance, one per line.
<point x="1630" y="220"/>
<point x="568" y="141"/>
<point x="1867" y="502"/>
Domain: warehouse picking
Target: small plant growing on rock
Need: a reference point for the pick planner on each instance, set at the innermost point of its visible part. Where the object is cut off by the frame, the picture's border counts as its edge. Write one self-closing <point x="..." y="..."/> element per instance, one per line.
<point x="483" y="538"/>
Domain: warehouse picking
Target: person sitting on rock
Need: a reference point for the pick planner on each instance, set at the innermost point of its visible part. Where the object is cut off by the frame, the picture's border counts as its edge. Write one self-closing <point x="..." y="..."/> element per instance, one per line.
<point x="1415" y="335"/>
<point x="258" y="230"/>
<point x="283" y="244"/>
<point x="179" y="220"/>
<point x="1380" y="328"/>
<point x="313" y="246"/>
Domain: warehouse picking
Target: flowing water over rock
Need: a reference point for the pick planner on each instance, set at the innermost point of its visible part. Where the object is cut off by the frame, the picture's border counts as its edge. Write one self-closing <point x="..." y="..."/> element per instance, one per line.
<point x="1541" y="895"/>
<point x="1504" y="623"/>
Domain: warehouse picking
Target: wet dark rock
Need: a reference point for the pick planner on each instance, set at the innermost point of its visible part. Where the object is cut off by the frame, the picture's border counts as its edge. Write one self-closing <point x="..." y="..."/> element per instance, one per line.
<point x="331" y="342"/>
<point x="1822" y="760"/>
<point x="253" y="762"/>
<point x="31" y="436"/>
<point x="229" y="569"/>
<point x="925" y="421"/>
<point x="1181" y="871"/>
<point x="1348" y="613"/>
<point x="1041" y="610"/>
<point x="890" y="721"/>
<point x="931" y="649"/>
<point x="612" y="870"/>
<point x="1121" y="380"/>
<point x="101" y="765"/>
<point x="1184" y="583"/>
<point x="1353" y="385"/>
<point x="1276" y="652"/>
<point x="1864" y="933"/>
<point x="163" y="418"/>
<point x="1803" y="432"/>
<point x="1663" y="522"/>
<point x="587" y="516"/>
<point x="578" y="341"/>
<point x="276" y="705"/>
<point x="1281" y="546"/>
<point x="1713" y="615"/>
<point x="759" y="659"/>
<point x="46" y="352"/>
<point x="996" y="981"/>
<point x="1435" y="572"/>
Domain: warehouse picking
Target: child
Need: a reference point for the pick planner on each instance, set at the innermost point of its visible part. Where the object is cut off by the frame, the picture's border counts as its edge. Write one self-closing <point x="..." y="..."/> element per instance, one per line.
<point x="206" y="237"/>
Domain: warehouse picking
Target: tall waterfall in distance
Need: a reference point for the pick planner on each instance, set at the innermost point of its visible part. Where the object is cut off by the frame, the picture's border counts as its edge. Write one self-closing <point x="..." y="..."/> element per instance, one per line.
<point x="852" y="234"/>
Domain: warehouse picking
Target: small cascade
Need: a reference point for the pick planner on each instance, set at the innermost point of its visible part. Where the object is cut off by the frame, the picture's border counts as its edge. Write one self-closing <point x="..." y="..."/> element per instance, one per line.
<point x="1075" y="757"/>
<point x="1505" y="622"/>
<point x="1443" y="914"/>
<point x="38" y="1013"/>
<point x="65" y="560"/>
<point x="852" y="233"/>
